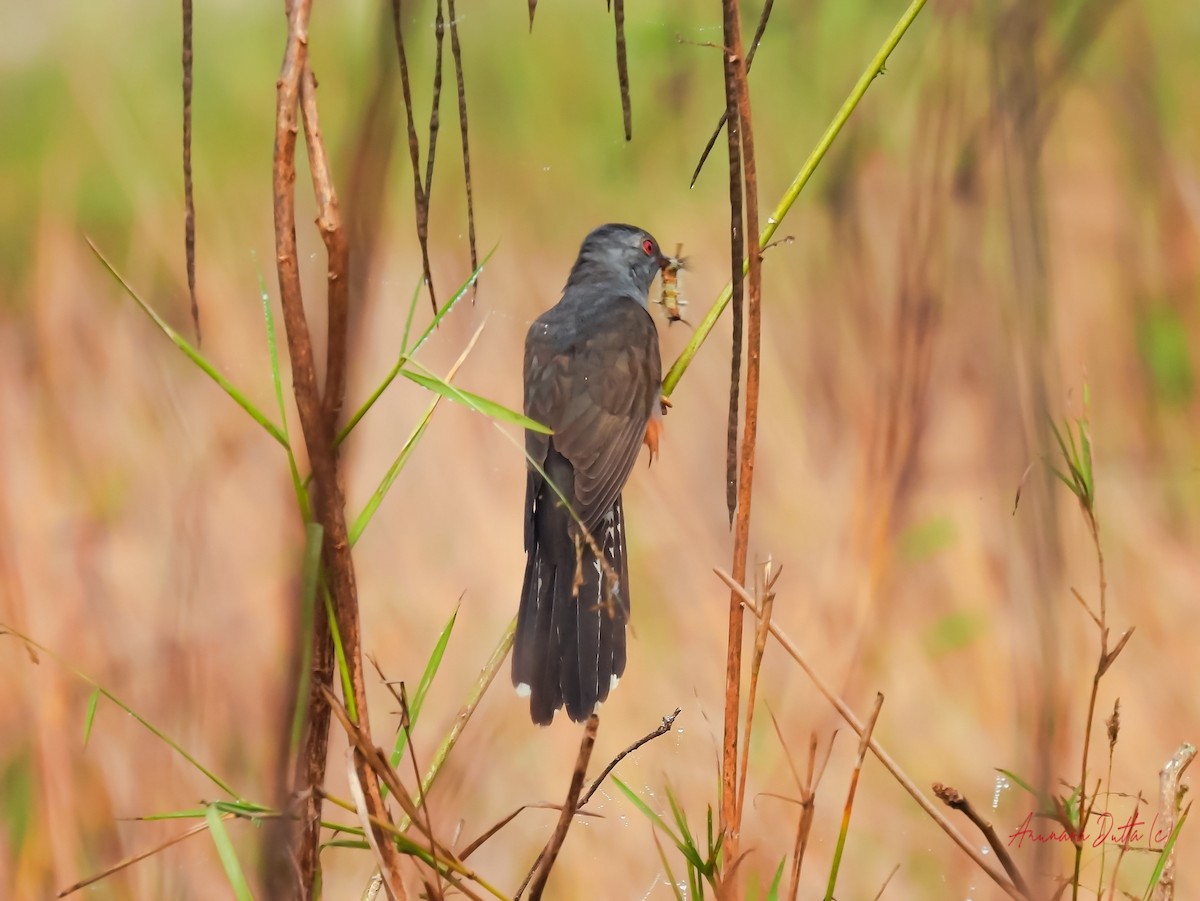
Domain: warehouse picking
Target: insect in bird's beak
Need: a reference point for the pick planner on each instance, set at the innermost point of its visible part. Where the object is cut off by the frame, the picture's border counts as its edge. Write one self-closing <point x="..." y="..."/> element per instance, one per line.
<point x="670" y="298"/>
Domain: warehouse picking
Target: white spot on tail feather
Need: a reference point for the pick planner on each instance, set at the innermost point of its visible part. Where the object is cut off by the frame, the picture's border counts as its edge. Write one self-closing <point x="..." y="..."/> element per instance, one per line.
<point x="612" y="682"/>
<point x="524" y="691"/>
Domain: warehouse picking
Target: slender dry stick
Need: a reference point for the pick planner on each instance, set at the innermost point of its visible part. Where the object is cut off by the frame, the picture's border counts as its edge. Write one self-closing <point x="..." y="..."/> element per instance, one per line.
<point x="137" y="858"/>
<point x="337" y="249"/>
<point x="955" y="800"/>
<point x="618" y="10"/>
<point x="730" y="821"/>
<point x="550" y="852"/>
<point x="877" y="64"/>
<point x="883" y="887"/>
<point x="329" y="504"/>
<point x="863" y="742"/>
<point x="471" y="847"/>
<point x="420" y="199"/>
<point x="189" y="203"/>
<point x="663" y="729"/>
<point x="889" y="764"/>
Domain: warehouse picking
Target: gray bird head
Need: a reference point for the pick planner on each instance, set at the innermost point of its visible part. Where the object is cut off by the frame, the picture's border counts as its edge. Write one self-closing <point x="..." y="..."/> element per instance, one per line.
<point x="622" y="258"/>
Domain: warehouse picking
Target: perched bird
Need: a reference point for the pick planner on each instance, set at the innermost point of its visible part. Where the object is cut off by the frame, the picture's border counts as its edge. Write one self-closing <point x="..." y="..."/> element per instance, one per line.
<point x="593" y="375"/>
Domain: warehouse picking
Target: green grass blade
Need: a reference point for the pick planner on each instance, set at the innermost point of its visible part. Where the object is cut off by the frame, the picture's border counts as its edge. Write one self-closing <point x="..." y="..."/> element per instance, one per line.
<point x="773" y="891"/>
<point x="451" y="303"/>
<point x="1069" y="459"/>
<point x="273" y="350"/>
<point x="488" y="408"/>
<point x="692" y="857"/>
<point x="364" y="518"/>
<point x="662" y="856"/>
<point x="681" y="821"/>
<point x="1165" y="854"/>
<point x="310" y="580"/>
<point x="696" y="862"/>
<point x="339" y="652"/>
<point x="150" y="727"/>
<point x="298" y="484"/>
<point x="412" y="309"/>
<point x="470" y="705"/>
<point x="241" y="808"/>
<point x="190" y="813"/>
<point x="233" y="869"/>
<point x="406" y="355"/>
<point x="192" y="353"/>
<point x="1044" y="805"/>
<point x="1085" y="458"/>
<point x="90" y="716"/>
<point x="1021" y="783"/>
<point x="418" y="698"/>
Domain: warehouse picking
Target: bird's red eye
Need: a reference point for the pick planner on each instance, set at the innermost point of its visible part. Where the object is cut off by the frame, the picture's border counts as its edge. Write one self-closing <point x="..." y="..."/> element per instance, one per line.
<point x="648" y="246"/>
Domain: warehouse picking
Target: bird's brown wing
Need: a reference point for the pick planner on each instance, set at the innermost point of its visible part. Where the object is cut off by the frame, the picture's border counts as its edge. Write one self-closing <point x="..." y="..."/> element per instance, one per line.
<point x="597" y="392"/>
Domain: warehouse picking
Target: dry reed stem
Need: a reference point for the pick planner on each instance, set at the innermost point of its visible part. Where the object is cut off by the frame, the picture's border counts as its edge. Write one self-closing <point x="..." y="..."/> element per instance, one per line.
<point x="764" y="591"/>
<point x="808" y="798"/>
<point x="328" y="502"/>
<point x="736" y="65"/>
<point x="892" y="767"/>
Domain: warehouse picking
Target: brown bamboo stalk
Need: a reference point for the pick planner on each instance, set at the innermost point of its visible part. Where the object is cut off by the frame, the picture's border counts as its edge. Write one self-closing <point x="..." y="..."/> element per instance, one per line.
<point x="318" y="439"/>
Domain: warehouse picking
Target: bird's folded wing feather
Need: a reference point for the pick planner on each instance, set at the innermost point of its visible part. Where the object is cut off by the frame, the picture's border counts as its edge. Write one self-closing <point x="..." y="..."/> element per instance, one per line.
<point x="597" y="393"/>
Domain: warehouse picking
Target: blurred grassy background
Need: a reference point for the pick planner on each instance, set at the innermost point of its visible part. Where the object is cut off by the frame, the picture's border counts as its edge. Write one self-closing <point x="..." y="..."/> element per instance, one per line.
<point x="945" y="286"/>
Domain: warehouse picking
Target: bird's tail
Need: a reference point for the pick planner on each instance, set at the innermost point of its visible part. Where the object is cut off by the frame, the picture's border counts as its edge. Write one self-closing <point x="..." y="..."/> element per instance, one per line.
<point x="570" y="643"/>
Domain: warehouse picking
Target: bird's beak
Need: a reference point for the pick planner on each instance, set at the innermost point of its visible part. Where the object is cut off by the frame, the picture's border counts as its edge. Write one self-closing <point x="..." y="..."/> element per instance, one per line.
<point x="663" y="262"/>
